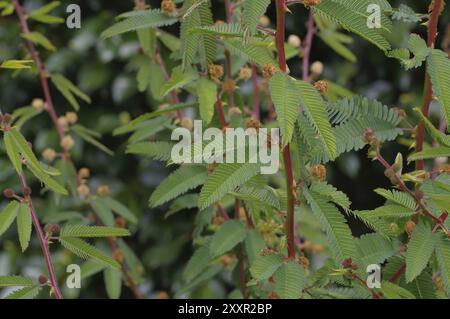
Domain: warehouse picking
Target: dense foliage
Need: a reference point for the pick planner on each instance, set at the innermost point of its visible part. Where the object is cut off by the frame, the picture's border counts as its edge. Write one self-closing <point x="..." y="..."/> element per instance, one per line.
<point x="88" y="171"/>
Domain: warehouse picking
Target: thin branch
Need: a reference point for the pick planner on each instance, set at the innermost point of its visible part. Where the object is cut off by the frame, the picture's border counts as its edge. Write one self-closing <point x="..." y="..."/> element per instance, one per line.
<point x="129" y="280"/>
<point x="219" y="107"/>
<point x="43" y="75"/>
<point x="428" y="89"/>
<point x="290" y="187"/>
<point x="398" y="274"/>
<point x="256" y="100"/>
<point x="248" y="218"/>
<point x="223" y="212"/>
<point x="43" y="242"/>
<point x="140" y="5"/>
<point x="243" y="276"/>
<point x="229" y="68"/>
<point x="311" y="30"/>
<point x="406" y="189"/>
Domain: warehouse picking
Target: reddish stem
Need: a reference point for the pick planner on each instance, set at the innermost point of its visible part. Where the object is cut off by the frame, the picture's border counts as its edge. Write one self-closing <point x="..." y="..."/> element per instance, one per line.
<point x="237" y="209"/>
<point x="223" y="212"/>
<point x="428" y="90"/>
<point x="43" y="75"/>
<point x="173" y="93"/>
<point x="42" y="241"/>
<point x="219" y="106"/>
<point x="229" y="68"/>
<point x="398" y="274"/>
<point x="308" y="45"/>
<point x="280" y="34"/>
<point x="256" y="101"/>
<point x="248" y="218"/>
<point x="280" y="37"/>
<point x="406" y="189"/>
<point x="243" y="278"/>
<point x="128" y="278"/>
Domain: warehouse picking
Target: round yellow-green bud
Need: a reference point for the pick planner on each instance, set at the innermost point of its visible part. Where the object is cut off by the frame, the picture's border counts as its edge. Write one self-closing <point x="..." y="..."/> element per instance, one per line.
<point x="49" y="154"/>
<point x="84" y="172"/>
<point x="83" y="190"/>
<point x="67" y="143"/>
<point x="62" y="120"/>
<point x="294" y="40"/>
<point x="38" y="104"/>
<point x="245" y="73"/>
<point x="264" y="21"/>
<point x="317" y="68"/>
<point x="103" y="191"/>
<point x="71" y="117"/>
<point x="187" y="123"/>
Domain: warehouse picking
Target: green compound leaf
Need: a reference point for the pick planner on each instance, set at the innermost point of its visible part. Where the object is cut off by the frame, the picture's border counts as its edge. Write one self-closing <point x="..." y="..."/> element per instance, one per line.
<point x="24" y="223"/>
<point x="290" y="280"/>
<point x="84" y="250"/>
<point x="227" y="237"/>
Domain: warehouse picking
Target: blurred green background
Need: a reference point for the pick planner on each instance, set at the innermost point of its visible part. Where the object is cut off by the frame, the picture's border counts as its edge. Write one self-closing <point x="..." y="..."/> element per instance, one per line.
<point x="106" y="70"/>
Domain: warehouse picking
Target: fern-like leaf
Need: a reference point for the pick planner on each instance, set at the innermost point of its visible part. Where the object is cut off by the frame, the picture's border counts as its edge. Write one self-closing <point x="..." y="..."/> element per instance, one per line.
<point x="16" y="281"/>
<point x="374" y="249"/>
<point x="8" y="215"/>
<point x="353" y="16"/>
<point x="24" y="223"/>
<point x="130" y="127"/>
<point x="439" y="70"/>
<point x="406" y="14"/>
<point x="285" y="96"/>
<point x="397" y="197"/>
<point x="391" y="211"/>
<point x="252" y="52"/>
<point x="351" y="117"/>
<point x="266" y="196"/>
<point x="314" y="108"/>
<point x="226" y="178"/>
<point x="422" y="287"/>
<point x="332" y="194"/>
<point x="84" y="250"/>
<point x="252" y="12"/>
<point x="160" y="151"/>
<point x="25" y="293"/>
<point x="265" y="266"/>
<point x="179" y="182"/>
<point x="430" y="153"/>
<point x="418" y="48"/>
<point x="223" y="30"/>
<point x="148" y="19"/>
<point x="393" y="291"/>
<point x="92" y="231"/>
<point x="440" y="137"/>
<point x="193" y="44"/>
<point x="290" y="280"/>
<point x="207" y="97"/>
<point x="227" y="237"/>
<point x="339" y="236"/>
<point x="197" y="263"/>
<point x="420" y="248"/>
<point x="443" y="259"/>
